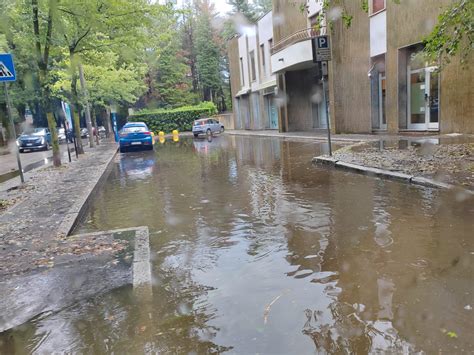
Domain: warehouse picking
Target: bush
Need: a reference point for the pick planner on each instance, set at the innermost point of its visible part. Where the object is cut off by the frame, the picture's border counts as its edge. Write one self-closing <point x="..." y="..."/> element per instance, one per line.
<point x="179" y="118"/>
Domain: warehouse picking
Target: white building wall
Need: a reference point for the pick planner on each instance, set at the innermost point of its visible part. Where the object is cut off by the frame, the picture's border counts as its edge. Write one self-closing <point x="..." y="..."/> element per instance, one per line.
<point x="243" y="53"/>
<point x="378" y="34"/>
<point x="314" y="6"/>
<point x="265" y="34"/>
<point x="252" y="46"/>
<point x="295" y="57"/>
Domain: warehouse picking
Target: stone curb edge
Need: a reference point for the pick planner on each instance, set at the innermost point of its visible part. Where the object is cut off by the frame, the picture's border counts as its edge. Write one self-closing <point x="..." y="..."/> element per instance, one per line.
<point x="73" y="216"/>
<point x="319" y="139"/>
<point x="415" y="180"/>
<point x="141" y="268"/>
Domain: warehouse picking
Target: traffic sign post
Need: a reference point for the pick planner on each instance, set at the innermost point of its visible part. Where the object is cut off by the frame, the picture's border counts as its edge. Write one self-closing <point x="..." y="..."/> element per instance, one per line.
<point x="7" y="74"/>
<point x="322" y="54"/>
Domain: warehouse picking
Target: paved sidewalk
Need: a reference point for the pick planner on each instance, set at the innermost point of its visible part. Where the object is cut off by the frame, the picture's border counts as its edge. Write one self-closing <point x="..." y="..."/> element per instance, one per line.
<point x="447" y="160"/>
<point x="32" y="230"/>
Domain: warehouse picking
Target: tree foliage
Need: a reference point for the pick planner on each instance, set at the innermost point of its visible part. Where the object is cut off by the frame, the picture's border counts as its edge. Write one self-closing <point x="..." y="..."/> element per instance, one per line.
<point x="454" y="34"/>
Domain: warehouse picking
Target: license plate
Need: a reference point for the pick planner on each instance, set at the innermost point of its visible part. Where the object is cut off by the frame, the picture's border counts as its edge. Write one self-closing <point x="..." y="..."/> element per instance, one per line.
<point x="136" y="143"/>
<point x="29" y="144"/>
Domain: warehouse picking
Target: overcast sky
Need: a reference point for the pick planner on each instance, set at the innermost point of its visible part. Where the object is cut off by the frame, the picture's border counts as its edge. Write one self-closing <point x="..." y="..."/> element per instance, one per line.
<point x="221" y="6"/>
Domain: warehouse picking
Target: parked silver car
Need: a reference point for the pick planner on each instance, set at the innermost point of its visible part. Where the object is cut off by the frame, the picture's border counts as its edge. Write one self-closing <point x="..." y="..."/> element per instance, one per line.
<point x="207" y="126"/>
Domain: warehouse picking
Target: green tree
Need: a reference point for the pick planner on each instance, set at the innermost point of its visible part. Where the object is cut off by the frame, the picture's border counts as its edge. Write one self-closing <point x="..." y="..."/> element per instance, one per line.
<point x="208" y="52"/>
<point x="454" y="34"/>
<point x="245" y="8"/>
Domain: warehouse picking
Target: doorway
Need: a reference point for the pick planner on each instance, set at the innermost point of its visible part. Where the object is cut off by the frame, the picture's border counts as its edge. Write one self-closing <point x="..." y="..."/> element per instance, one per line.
<point x="382" y="102"/>
<point x="272" y="111"/>
<point x="423" y="99"/>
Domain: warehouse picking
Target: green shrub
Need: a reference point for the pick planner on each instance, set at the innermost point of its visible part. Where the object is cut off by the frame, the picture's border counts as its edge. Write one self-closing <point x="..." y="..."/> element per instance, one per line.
<point x="179" y="118"/>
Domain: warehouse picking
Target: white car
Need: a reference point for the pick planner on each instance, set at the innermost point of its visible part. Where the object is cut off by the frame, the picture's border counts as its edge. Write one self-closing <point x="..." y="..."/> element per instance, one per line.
<point x="207" y="126"/>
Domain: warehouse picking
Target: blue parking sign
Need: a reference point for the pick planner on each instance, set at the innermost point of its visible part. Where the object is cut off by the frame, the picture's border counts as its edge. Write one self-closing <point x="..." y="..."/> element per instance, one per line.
<point x="7" y="69"/>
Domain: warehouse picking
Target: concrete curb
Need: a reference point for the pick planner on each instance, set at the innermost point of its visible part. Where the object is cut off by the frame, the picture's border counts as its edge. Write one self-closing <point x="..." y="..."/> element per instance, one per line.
<point x="387" y="174"/>
<point x="77" y="211"/>
<point x="141" y="271"/>
<point x="141" y="258"/>
<point x="290" y="136"/>
<point x="76" y="278"/>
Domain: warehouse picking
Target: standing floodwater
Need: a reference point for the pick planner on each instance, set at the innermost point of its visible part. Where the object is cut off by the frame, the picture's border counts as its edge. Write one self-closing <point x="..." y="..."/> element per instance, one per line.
<point x="255" y="250"/>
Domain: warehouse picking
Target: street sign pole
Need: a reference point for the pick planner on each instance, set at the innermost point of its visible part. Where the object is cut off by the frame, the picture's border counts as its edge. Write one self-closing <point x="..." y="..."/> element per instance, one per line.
<point x="13" y="132"/>
<point x="7" y="73"/>
<point x="322" y="55"/>
<point x="326" y="103"/>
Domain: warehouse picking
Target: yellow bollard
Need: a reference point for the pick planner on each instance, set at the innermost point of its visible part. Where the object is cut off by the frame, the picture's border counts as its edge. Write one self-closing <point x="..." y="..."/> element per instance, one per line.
<point x="161" y="134"/>
<point x="175" y="132"/>
<point x="175" y="138"/>
<point x="161" y="139"/>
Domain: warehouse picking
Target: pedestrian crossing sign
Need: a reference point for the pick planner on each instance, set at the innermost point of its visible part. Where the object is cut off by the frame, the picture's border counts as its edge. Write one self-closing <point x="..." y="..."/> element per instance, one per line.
<point x="7" y="69"/>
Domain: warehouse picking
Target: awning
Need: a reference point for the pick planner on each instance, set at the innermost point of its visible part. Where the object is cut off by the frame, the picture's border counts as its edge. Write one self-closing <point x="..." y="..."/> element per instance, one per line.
<point x="268" y="84"/>
<point x="244" y="91"/>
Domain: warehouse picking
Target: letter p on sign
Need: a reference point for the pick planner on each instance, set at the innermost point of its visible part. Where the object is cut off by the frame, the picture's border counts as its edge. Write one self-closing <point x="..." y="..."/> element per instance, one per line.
<point x="323" y="42"/>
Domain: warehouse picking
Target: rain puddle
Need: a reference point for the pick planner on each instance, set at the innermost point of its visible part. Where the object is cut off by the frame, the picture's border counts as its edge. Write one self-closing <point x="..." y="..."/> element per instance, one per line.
<point x="256" y="250"/>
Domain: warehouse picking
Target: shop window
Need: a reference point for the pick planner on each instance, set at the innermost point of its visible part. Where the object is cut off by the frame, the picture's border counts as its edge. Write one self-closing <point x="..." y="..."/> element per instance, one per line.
<point x="242" y="78"/>
<point x="252" y="66"/>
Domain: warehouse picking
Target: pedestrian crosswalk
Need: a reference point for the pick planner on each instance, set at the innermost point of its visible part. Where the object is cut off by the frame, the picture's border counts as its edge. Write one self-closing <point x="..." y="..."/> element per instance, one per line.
<point x="4" y="72"/>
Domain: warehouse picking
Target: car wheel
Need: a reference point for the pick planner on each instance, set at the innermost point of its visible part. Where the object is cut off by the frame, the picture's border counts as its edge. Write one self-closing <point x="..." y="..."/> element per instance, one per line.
<point x="209" y="132"/>
<point x="122" y="150"/>
<point x="21" y="150"/>
<point x="46" y="147"/>
<point x="222" y="129"/>
<point x="196" y="135"/>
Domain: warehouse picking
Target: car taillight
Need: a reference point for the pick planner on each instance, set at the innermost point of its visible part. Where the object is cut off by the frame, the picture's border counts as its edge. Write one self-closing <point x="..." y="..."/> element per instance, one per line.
<point x="122" y="134"/>
<point x="147" y="133"/>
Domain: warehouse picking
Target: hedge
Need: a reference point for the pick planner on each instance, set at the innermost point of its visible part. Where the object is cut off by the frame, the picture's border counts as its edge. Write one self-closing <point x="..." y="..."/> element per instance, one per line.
<point x="179" y="118"/>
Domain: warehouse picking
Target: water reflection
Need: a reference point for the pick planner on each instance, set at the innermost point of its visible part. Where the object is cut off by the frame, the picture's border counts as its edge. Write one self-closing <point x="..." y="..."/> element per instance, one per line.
<point x="255" y="250"/>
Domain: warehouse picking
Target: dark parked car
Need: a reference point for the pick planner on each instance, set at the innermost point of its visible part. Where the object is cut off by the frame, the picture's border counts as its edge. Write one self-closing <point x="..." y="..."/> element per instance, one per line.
<point x="35" y="139"/>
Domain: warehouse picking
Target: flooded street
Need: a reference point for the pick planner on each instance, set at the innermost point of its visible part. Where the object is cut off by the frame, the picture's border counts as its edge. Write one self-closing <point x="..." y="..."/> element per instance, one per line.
<point x="256" y="250"/>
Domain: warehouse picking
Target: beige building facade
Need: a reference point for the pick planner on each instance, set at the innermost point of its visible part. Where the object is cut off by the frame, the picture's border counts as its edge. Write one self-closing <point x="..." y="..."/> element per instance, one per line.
<point x="253" y="83"/>
<point x="379" y="81"/>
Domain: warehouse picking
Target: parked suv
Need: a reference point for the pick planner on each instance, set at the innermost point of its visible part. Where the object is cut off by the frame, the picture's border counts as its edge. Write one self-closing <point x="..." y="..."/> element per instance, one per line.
<point x="207" y="126"/>
<point x="35" y="139"/>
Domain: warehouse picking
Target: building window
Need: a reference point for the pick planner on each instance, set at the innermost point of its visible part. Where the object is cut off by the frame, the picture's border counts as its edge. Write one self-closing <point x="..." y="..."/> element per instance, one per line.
<point x="377" y="5"/>
<point x="242" y="78"/>
<point x="252" y="66"/>
<point x="262" y="54"/>
<point x="270" y="45"/>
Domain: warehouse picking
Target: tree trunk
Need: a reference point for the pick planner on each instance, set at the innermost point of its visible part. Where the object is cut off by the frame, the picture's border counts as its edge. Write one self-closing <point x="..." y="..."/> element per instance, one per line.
<point x="109" y="123"/>
<point x="94" y="124"/>
<point x="54" y="139"/>
<point x="76" y="121"/>
<point x="88" y="110"/>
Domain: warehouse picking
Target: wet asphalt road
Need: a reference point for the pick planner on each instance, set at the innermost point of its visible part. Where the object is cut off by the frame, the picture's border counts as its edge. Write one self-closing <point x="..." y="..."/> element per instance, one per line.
<point x="255" y="250"/>
<point x="31" y="159"/>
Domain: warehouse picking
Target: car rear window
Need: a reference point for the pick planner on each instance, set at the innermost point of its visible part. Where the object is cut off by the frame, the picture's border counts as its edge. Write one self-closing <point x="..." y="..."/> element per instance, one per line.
<point x="135" y="129"/>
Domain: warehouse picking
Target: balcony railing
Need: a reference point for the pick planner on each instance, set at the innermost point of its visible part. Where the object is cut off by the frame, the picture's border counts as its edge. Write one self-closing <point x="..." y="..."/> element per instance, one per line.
<point x="296" y="37"/>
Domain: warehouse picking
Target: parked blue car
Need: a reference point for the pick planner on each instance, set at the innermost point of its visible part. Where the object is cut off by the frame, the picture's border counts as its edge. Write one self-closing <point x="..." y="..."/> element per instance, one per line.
<point x="34" y="139"/>
<point x="135" y="135"/>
